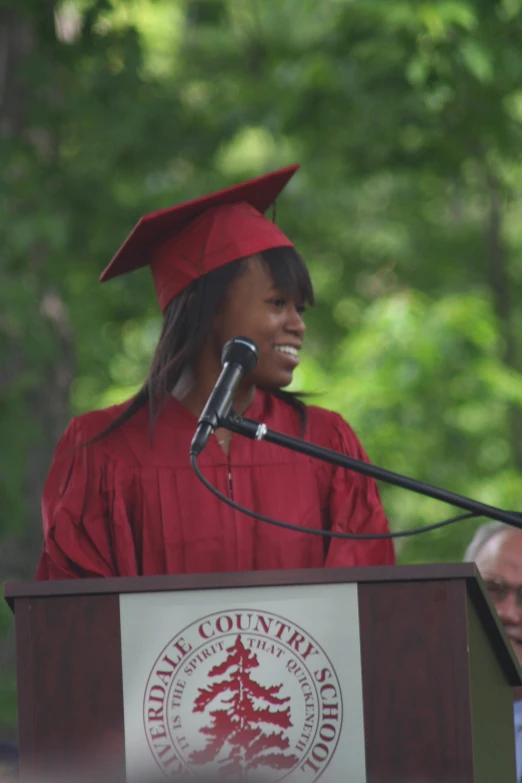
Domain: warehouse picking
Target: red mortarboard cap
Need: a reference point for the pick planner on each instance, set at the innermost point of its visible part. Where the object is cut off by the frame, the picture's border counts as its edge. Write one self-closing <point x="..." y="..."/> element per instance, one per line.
<point x="183" y="243"/>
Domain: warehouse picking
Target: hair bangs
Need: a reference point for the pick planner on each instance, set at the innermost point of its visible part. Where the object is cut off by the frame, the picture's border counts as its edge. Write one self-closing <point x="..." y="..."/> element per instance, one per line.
<point x="290" y="274"/>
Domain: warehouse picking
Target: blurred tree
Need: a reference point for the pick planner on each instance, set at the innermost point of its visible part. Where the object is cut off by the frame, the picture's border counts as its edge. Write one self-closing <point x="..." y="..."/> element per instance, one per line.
<point x="406" y="116"/>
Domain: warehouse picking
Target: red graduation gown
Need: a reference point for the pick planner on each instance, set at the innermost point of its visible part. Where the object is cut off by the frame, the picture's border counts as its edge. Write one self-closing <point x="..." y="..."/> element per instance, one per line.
<point x="124" y="507"/>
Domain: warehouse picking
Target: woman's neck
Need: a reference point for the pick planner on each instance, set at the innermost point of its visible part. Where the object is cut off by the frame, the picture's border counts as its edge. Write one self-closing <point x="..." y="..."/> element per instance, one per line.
<point x="194" y="389"/>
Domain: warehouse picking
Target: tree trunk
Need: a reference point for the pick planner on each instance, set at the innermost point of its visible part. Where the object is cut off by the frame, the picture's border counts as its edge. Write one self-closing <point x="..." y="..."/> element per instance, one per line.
<point x="43" y="402"/>
<point x="501" y="289"/>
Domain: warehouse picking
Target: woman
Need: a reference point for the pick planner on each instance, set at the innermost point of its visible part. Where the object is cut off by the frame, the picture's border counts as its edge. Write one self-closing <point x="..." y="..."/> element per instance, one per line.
<point x="121" y="498"/>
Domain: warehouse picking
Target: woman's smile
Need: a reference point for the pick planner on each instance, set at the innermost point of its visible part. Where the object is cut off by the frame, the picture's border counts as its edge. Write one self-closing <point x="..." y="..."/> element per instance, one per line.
<point x="288" y="353"/>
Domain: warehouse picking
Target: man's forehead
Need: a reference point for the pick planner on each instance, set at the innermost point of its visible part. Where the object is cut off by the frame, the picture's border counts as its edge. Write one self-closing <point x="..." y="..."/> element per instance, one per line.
<point x="502" y="555"/>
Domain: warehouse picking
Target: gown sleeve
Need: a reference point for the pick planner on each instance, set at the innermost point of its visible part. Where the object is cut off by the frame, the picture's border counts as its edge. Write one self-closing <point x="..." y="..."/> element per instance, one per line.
<point x="77" y="506"/>
<point x="355" y="507"/>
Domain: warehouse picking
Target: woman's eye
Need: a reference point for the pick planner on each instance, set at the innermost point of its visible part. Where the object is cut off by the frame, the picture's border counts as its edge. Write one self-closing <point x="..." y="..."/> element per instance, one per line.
<point x="280" y="303"/>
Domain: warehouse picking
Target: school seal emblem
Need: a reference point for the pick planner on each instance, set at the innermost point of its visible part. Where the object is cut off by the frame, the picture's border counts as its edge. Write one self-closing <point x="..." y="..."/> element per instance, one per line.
<point x="244" y="693"/>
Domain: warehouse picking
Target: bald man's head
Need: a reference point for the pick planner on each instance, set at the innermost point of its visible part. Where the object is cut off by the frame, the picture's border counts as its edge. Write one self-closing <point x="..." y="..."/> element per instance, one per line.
<point x="499" y="560"/>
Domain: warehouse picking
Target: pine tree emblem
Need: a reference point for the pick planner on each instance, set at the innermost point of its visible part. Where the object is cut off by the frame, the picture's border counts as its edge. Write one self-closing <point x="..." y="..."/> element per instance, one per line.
<point x="248" y="732"/>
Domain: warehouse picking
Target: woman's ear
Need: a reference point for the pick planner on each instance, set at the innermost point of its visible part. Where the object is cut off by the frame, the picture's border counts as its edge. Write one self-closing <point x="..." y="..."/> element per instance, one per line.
<point x="217" y="324"/>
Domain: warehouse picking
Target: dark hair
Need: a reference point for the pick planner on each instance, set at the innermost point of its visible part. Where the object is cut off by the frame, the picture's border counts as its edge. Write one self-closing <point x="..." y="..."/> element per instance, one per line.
<point x="187" y="323"/>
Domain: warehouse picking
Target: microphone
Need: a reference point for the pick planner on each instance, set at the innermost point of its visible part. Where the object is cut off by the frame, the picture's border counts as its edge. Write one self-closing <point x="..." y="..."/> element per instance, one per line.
<point x="239" y="357"/>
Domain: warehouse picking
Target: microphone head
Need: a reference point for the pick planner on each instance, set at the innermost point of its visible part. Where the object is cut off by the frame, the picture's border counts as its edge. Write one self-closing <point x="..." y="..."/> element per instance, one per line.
<point x="242" y="351"/>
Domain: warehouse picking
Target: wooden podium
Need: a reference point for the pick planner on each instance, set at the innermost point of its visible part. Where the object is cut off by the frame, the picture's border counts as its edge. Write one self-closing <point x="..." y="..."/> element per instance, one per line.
<point x="418" y="647"/>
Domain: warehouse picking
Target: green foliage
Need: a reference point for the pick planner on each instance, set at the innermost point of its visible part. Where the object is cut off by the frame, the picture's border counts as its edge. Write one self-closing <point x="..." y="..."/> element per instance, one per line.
<point x="406" y="117"/>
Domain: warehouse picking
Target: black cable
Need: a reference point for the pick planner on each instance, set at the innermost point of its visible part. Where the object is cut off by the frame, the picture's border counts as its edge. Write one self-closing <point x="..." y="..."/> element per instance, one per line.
<point x="256" y="430"/>
<point x="324" y="533"/>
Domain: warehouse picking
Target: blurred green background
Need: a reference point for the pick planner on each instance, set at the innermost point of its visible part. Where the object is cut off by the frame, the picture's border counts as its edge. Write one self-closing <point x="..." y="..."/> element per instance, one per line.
<point x="407" y="119"/>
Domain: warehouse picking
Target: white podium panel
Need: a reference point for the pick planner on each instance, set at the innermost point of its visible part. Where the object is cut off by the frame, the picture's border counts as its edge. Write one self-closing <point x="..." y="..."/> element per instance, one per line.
<point x="260" y="682"/>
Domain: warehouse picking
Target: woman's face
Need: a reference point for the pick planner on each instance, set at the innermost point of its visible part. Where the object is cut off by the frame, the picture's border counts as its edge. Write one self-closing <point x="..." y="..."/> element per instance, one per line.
<point x="254" y="308"/>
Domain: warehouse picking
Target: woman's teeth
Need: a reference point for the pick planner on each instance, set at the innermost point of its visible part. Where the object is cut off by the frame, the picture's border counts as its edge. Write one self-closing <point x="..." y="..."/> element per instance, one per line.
<point x="289" y="349"/>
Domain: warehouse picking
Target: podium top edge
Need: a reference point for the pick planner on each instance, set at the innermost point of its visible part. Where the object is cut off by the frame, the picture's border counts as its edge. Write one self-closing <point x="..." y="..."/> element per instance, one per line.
<point x="216" y="581"/>
<point x="433" y="572"/>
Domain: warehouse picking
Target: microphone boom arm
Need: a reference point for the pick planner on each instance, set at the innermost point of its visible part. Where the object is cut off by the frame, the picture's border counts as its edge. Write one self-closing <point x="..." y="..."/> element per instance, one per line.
<point x="258" y="431"/>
